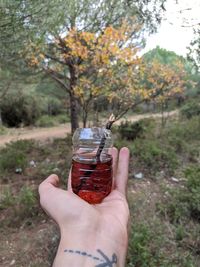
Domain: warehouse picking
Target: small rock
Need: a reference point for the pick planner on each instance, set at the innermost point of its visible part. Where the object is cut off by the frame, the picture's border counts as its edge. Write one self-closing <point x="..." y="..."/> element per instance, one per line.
<point x="18" y="170"/>
<point x="12" y="263"/>
<point x="139" y="175"/>
<point x="133" y="191"/>
<point x="32" y="163"/>
<point x="174" y="179"/>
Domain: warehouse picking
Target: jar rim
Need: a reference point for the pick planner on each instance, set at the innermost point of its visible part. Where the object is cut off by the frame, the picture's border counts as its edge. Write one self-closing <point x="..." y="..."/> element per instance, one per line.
<point x="91" y="133"/>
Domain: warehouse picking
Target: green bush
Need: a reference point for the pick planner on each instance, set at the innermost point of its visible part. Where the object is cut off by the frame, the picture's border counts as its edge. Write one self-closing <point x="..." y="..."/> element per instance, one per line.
<point x="27" y="201"/>
<point x="183" y="131"/>
<point x="24" y="206"/>
<point x="145" y="242"/>
<point x="20" y="109"/>
<point x="14" y="155"/>
<point x="190" y="110"/>
<point x="24" y="146"/>
<point x="62" y="118"/>
<point x="50" y="121"/>
<point x="53" y="107"/>
<point x="3" y="130"/>
<point x="184" y="203"/>
<point x="6" y="199"/>
<point x="132" y="130"/>
<point x="154" y="155"/>
<point x="12" y="159"/>
<point x="46" y="121"/>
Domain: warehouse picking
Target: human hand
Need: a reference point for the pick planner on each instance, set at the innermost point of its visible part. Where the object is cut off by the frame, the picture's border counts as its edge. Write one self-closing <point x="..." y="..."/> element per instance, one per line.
<point x="104" y="224"/>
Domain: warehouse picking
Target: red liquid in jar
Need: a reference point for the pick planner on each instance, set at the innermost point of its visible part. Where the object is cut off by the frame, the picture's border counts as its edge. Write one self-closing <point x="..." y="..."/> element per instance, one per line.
<point x="92" y="181"/>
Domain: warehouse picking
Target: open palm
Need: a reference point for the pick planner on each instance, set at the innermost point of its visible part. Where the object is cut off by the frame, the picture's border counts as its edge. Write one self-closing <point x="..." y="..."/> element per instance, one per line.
<point x="74" y="215"/>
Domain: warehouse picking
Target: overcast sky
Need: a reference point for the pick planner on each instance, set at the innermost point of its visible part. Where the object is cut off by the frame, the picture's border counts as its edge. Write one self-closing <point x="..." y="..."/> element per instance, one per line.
<point x="171" y="34"/>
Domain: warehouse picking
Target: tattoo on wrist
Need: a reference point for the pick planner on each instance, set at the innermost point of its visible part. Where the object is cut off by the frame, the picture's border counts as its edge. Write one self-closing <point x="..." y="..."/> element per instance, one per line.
<point x="104" y="260"/>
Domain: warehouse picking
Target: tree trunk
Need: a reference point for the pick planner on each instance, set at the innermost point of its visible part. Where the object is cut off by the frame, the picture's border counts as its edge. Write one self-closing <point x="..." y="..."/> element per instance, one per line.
<point x="162" y="114"/>
<point x="0" y="119"/>
<point x="73" y="101"/>
<point x="74" y="113"/>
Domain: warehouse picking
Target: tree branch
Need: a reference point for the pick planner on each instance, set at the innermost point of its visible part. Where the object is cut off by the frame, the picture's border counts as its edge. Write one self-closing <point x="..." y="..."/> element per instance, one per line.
<point x="55" y="59"/>
<point x="119" y="116"/>
<point x="56" y="77"/>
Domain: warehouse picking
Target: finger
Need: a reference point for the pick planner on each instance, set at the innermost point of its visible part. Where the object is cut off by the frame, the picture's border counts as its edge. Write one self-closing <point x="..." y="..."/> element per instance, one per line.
<point x="69" y="182"/>
<point x="114" y="153"/>
<point x="50" y="182"/>
<point x="122" y="170"/>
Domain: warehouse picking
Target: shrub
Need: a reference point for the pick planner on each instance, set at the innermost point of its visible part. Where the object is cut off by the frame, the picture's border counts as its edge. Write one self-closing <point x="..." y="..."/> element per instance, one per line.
<point x="3" y="130"/>
<point x="46" y="121"/>
<point x="6" y="199"/>
<point x="132" y="130"/>
<point x="12" y="159"/>
<point x="24" y="206"/>
<point x="14" y="155"/>
<point x="21" y="145"/>
<point x="19" y="110"/>
<point x="190" y="110"/>
<point x="53" y="106"/>
<point x="184" y="203"/>
<point x="143" y="245"/>
<point x="62" y="118"/>
<point x="27" y="201"/>
<point x="154" y="155"/>
<point x="183" y="131"/>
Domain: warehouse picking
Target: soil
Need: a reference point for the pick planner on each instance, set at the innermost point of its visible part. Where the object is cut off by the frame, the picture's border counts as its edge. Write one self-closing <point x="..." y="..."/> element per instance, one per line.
<point x="43" y="134"/>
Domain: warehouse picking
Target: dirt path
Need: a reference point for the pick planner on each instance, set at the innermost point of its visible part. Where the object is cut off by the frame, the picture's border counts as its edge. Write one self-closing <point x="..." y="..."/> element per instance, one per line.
<point x="60" y="131"/>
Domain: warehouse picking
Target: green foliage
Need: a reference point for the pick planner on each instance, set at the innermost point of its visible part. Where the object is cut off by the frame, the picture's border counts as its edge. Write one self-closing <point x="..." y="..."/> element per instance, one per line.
<point x="154" y="155"/>
<point x="3" y="130"/>
<point x="27" y="200"/>
<point x="132" y="130"/>
<point x="163" y="56"/>
<point x="184" y="131"/>
<point x="184" y="203"/>
<point x="23" y="206"/>
<point x="157" y="149"/>
<point x="25" y="146"/>
<point x="14" y="155"/>
<point x="147" y="244"/>
<point x="140" y="252"/>
<point x="50" y="121"/>
<point x="62" y="118"/>
<point x="45" y="121"/>
<point x="190" y="110"/>
<point x="11" y="159"/>
<point x="53" y="106"/>
<point x="19" y="109"/>
<point x="6" y="199"/>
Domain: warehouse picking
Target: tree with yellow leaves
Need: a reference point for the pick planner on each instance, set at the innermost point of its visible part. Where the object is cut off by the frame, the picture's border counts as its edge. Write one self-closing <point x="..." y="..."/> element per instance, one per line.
<point x="89" y="65"/>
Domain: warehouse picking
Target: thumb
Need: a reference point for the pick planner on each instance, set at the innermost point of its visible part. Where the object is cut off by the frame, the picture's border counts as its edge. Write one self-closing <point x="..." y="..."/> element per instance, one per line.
<point x="51" y="181"/>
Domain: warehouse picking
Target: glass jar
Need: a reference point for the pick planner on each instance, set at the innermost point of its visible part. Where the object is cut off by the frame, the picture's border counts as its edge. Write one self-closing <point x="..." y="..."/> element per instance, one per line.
<point x="92" y="164"/>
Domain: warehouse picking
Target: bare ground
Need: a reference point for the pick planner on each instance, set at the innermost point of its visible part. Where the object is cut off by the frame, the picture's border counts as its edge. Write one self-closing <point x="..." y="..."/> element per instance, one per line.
<point x="43" y="134"/>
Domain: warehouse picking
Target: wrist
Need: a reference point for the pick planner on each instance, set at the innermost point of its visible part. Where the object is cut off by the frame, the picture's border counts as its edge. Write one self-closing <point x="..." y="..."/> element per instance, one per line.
<point x="89" y="249"/>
